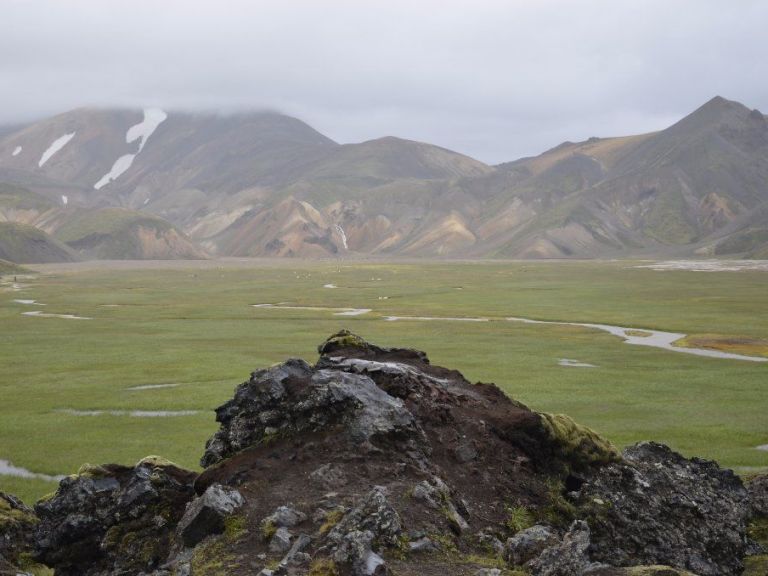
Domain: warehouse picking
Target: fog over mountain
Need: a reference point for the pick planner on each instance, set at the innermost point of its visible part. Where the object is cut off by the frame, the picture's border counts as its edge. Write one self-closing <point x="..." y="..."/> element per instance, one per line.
<point x="494" y="80"/>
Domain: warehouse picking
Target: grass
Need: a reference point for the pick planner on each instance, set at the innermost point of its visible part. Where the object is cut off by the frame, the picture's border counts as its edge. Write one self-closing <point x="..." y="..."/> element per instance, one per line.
<point x="11" y="268"/>
<point x="106" y="221"/>
<point x="194" y="327"/>
<point x="667" y="221"/>
<point x="731" y="344"/>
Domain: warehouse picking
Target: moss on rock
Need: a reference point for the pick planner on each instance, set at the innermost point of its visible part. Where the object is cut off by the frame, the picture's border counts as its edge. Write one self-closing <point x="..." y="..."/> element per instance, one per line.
<point x="156" y="461"/>
<point x="331" y="519"/>
<point x="93" y="471"/>
<point x="17" y="523"/>
<point x="756" y="565"/>
<point x="342" y="339"/>
<point x="579" y="445"/>
<point x="323" y="567"/>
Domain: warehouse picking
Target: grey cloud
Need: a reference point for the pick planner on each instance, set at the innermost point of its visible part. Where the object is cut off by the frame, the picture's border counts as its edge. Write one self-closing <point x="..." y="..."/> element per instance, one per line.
<point x="493" y="79"/>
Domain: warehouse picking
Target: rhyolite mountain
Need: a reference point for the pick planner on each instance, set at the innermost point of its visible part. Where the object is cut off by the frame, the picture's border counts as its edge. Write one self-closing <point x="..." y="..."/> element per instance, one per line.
<point x="35" y="229"/>
<point x="373" y="461"/>
<point x="21" y="243"/>
<point x="264" y="184"/>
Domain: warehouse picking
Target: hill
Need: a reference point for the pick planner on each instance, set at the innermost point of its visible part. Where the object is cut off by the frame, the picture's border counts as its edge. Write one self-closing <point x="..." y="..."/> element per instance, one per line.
<point x="120" y="234"/>
<point x="96" y="233"/>
<point x="24" y="244"/>
<point x="11" y="268"/>
<point x="265" y="184"/>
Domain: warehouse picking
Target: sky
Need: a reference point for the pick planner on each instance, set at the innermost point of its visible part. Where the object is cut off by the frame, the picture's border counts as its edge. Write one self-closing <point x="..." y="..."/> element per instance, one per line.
<point x="494" y="79"/>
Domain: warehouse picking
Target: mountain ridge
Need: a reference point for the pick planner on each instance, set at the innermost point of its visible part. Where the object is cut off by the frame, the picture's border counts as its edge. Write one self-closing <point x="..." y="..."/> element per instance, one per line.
<point x="265" y="184"/>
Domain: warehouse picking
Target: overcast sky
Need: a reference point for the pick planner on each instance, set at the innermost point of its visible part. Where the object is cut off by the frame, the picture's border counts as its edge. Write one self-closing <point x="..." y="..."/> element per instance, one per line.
<point x="493" y="79"/>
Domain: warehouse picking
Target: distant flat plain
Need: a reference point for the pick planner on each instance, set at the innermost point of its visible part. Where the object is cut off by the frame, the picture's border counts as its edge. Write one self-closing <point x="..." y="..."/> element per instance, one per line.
<point x="166" y="342"/>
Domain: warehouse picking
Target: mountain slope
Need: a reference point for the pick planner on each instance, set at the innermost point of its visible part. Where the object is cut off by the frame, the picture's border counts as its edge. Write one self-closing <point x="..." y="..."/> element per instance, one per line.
<point x="7" y="267"/>
<point x="677" y="190"/>
<point x="118" y="233"/>
<point x="101" y="233"/>
<point x="24" y="244"/>
<point x="263" y="184"/>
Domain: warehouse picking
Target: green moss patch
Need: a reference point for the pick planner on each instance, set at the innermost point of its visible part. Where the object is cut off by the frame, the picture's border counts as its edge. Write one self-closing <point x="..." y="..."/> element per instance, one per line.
<point x="578" y="444"/>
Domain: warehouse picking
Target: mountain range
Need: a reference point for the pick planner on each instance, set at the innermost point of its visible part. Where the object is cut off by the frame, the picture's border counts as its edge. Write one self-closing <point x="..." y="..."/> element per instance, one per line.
<point x="100" y="183"/>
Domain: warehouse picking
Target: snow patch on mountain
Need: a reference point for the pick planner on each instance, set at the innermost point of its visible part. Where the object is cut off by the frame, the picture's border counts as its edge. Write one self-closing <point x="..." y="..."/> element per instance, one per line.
<point x="153" y="117"/>
<point x="55" y="146"/>
<point x="16" y="151"/>
<point x="121" y="165"/>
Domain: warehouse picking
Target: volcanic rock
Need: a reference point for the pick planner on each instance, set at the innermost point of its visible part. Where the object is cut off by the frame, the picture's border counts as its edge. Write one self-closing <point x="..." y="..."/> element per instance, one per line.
<point x="566" y="558"/>
<point x="529" y="543"/>
<point x="205" y="515"/>
<point x="112" y="519"/>
<point x="17" y="525"/>
<point x="375" y="461"/>
<point x="657" y="507"/>
<point x="758" y="494"/>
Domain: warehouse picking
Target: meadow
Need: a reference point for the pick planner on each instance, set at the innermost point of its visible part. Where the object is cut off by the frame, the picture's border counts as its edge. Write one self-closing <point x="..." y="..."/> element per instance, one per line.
<point x="192" y="328"/>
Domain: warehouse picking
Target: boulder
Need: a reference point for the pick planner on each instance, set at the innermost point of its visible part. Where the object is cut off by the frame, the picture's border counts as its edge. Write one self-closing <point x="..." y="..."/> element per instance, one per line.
<point x="296" y="555"/>
<point x="285" y="517"/>
<point x="373" y="519"/>
<point x="373" y="514"/>
<point x="280" y="542"/>
<point x="293" y="398"/>
<point x="206" y="515"/>
<point x="568" y="557"/>
<point x="330" y="476"/>
<point x="112" y="518"/>
<point x="528" y="544"/>
<point x="657" y="507"/>
<point x="423" y="544"/>
<point x="758" y="495"/>
<point x="355" y="549"/>
<point x="437" y="495"/>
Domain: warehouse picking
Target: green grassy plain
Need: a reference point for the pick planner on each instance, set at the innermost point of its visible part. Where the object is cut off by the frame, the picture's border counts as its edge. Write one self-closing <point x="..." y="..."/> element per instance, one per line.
<point x="194" y="326"/>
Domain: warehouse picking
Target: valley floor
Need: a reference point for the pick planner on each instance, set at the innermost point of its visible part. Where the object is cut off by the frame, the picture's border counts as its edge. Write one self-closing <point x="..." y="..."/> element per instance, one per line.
<point x="127" y="359"/>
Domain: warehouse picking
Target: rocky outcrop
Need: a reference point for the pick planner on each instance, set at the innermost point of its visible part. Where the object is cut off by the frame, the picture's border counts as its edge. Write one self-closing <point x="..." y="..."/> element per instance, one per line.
<point x="373" y="461"/>
<point x="657" y="507"/>
<point x="373" y="522"/>
<point x="758" y="495"/>
<point x="294" y="398"/>
<point x="568" y="557"/>
<point x="112" y="519"/>
<point x="528" y="544"/>
<point x="206" y="515"/>
<point x="17" y="525"/>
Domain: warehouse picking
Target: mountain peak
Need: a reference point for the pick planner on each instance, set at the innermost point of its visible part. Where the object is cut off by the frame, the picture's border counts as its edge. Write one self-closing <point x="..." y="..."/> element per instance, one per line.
<point x="713" y="114"/>
<point x="719" y="101"/>
<point x="715" y="110"/>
